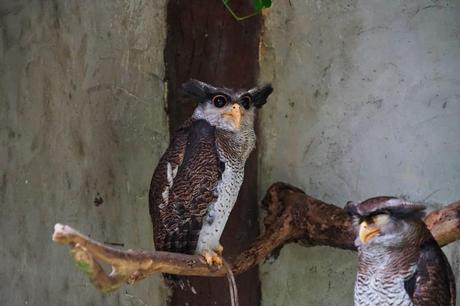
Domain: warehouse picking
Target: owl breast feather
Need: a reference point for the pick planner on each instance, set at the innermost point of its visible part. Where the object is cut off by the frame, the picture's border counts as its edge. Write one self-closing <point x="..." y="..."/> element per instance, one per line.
<point x="227" y="192"/>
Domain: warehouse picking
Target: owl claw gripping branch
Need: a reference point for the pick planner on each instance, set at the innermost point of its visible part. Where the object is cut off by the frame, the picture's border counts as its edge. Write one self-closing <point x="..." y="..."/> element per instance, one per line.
<point x="213" y="259"/>
<point x="197" y="180"/>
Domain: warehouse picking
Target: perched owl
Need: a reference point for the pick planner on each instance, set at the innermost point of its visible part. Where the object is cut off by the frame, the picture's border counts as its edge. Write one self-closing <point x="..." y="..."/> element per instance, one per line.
<point x="197" y="180"/>
<point x="399" y="262"/>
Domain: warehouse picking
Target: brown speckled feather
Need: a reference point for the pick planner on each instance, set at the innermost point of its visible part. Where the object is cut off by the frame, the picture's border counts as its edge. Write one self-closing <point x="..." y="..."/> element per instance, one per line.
<point x="403" y="264"/>
<point x="434" y="280"/>
<point x="178" y="221"/>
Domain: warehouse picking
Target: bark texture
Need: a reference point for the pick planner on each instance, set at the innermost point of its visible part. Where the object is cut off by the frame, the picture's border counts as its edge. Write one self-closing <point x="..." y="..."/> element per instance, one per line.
<point x="292" y="216"/>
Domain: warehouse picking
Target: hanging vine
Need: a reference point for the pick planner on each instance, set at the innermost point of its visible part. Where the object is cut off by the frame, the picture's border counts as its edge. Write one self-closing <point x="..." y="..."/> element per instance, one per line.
<point x="258" y="5"/>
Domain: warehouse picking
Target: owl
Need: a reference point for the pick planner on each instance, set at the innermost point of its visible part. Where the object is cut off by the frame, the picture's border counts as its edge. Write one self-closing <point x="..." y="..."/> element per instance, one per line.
<point x="399" y="261"/>
<point x="196" y="182"/>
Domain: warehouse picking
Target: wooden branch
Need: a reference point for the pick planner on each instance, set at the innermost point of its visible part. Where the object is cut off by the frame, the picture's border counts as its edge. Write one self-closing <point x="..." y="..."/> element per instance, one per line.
<point x="444" y="223"/>
<point x="291" y="216"/>
<point x="127" y="266"/>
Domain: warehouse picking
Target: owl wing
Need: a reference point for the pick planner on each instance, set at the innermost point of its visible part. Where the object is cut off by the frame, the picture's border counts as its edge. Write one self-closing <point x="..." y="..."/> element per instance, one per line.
<point x="183" y="186"/>
<point x="433" y="282"/>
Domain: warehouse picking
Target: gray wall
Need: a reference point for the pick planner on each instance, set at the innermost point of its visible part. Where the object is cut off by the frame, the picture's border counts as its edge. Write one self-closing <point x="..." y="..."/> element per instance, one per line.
<point x="81" y="116"/>
<point x="366" y="103"/>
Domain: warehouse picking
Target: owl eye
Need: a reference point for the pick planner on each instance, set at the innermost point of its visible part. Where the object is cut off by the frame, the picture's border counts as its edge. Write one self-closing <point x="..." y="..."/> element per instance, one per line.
<point x="219" y="100"/>
<point x="246" y="101"/>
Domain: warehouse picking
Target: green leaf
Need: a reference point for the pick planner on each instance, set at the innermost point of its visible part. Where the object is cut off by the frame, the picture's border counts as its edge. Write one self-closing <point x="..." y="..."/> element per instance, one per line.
<point x="258" y="4"/>
<point x="266" y="3"/>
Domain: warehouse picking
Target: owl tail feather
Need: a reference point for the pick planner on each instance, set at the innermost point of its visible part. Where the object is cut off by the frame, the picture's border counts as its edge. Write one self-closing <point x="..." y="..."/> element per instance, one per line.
<point x="231" y="285"/>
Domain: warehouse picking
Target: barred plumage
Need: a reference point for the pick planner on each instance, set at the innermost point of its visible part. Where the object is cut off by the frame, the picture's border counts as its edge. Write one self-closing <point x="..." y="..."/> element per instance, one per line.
<point x="197" y="180"/>
<point x="399" y="262"/>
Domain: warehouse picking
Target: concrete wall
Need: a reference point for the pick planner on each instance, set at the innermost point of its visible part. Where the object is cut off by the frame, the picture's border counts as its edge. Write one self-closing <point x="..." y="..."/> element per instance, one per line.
<point x="81" y="118"/>
<point x="366" y="103"/>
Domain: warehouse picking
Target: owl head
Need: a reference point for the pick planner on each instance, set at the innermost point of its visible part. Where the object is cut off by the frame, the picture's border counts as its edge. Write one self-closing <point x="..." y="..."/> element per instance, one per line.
<point x="385" y="221"/>
<point x="232" y="110"/>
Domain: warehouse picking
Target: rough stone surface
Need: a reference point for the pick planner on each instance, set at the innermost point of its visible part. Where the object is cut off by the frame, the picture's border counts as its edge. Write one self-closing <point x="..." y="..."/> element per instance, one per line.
<point x="366" y="103"/>
<point x="82" y="124"/>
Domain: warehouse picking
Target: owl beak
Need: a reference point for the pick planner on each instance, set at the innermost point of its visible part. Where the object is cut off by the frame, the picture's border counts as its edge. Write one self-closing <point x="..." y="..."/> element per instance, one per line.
<point x="367" y="232"/>
<point x="235" y="114"/>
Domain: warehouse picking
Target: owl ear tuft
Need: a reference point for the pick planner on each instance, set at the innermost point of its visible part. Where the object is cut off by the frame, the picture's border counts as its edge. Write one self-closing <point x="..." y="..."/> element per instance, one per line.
<point x="197" y="90"/>
<point x="351" y="208"/>
<point x="260" y="95"/>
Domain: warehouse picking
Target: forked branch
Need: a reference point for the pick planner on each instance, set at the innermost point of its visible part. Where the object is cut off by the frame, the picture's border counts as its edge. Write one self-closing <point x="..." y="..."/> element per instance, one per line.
<point x="291" y="216"/>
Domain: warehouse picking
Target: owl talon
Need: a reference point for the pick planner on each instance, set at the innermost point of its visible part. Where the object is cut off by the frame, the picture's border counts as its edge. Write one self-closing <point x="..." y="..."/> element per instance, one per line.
<point x="213" y="259"/>
<point x="219" y="249"/>
<point x="217" y="261"/>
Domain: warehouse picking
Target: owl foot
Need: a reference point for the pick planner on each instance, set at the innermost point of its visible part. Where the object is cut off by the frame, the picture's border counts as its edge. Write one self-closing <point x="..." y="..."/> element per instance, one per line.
<point x="219" y="249"/>
<point x="213" y="259"/>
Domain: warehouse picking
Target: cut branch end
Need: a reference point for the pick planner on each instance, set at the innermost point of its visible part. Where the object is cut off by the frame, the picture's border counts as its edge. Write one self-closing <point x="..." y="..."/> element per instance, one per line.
<point x="291" y="216"/>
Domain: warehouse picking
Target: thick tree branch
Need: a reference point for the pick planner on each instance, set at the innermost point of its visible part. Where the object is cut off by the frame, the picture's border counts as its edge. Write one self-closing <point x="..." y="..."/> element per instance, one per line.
<point x="291" y="216"/>
<point x="444" y="223"/>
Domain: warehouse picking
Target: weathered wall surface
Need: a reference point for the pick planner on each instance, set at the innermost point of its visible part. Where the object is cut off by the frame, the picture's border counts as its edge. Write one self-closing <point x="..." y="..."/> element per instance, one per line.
<point x="81" y="121"/>
<point x="366" y="103"/>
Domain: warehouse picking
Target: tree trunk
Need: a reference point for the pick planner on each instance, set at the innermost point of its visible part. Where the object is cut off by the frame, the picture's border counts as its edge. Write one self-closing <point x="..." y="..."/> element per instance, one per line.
<point x="205" y="42"/>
